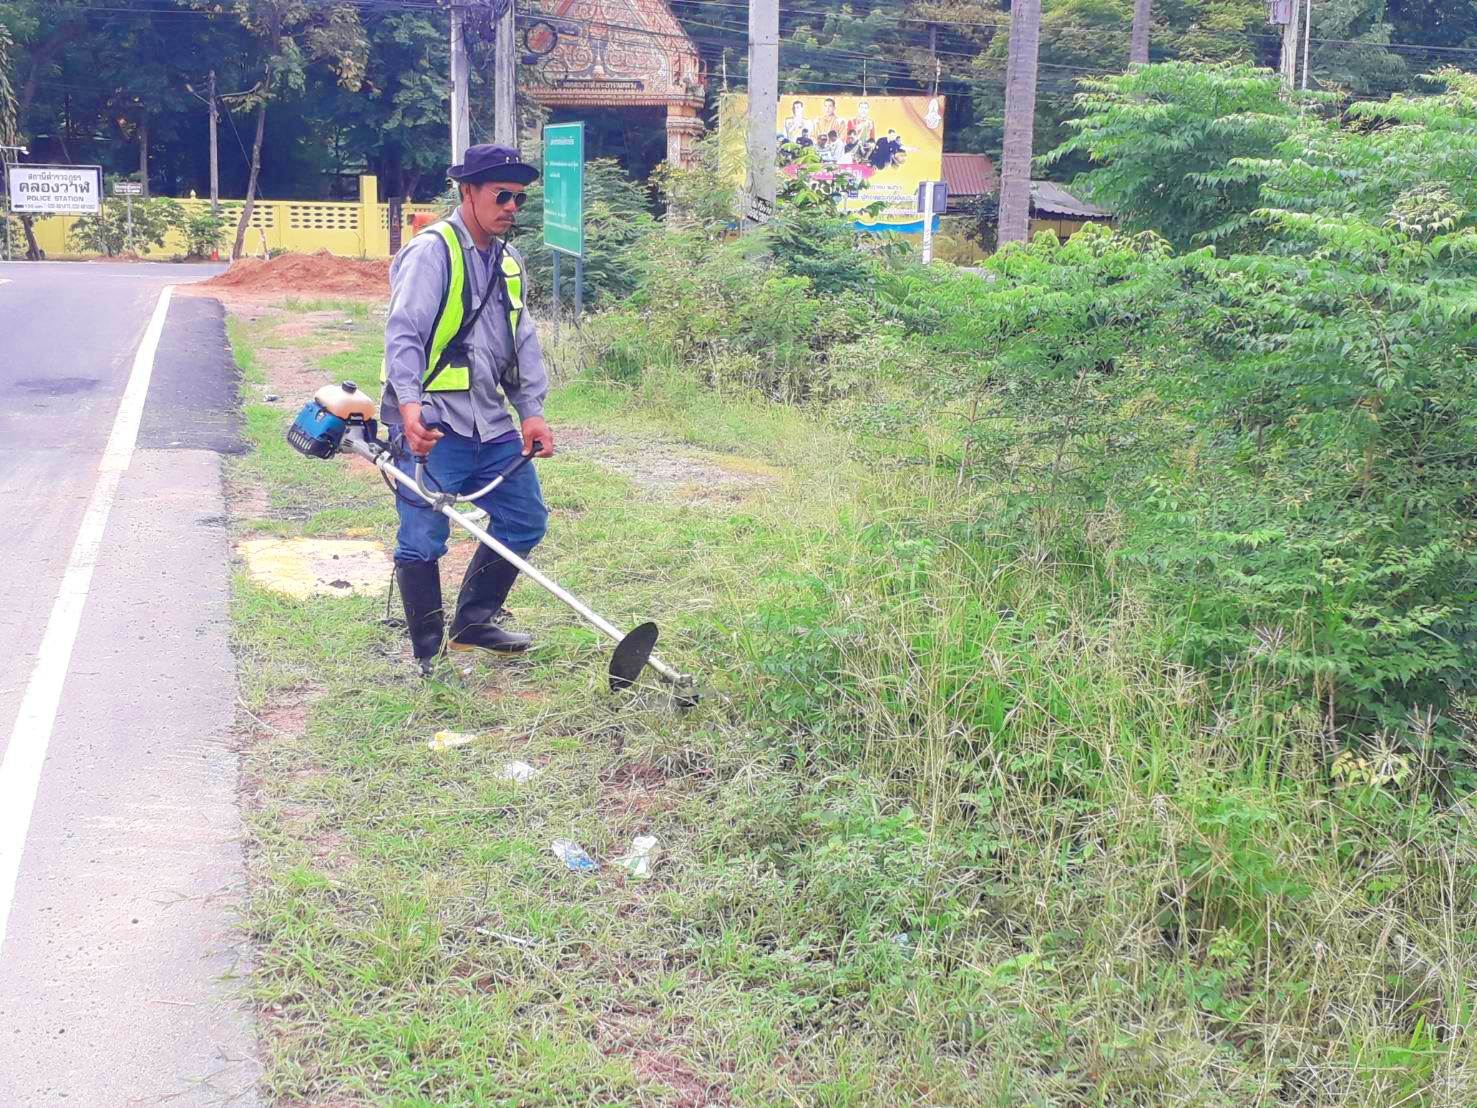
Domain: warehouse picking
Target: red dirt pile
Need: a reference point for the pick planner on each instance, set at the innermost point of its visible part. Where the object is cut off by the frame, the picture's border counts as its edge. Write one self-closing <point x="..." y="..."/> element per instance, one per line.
<point x="320" y="274"/>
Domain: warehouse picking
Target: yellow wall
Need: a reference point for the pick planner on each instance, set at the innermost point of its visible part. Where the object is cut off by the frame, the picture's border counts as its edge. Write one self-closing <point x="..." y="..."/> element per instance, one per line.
<point x="353" y="230"/>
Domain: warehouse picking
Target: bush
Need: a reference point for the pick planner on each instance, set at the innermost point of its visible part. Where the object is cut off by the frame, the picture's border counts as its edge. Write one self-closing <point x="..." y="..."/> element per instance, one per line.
<point x="203" y="232"/>
<point x="1284" y="440"/>
<point x="1165" y="138"/>
<point x="618" y="219"/>
<point x="1276" y="448"/>
<point x="108" y="232"/>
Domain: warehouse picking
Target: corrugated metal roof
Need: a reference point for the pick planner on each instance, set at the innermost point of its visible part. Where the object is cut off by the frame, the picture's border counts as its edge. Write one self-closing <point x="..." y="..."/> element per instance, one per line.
<point x="1052" y="199"/>
<point x="970" y="174"/>
<point x="974" y="174"/>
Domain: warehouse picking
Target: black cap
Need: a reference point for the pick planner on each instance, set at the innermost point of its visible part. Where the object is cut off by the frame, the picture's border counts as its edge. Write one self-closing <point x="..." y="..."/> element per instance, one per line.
<point x="488" y="162"/>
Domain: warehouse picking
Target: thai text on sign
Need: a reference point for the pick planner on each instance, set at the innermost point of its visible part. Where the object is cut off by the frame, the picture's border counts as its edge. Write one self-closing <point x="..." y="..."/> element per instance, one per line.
<point x="55" y="189"/>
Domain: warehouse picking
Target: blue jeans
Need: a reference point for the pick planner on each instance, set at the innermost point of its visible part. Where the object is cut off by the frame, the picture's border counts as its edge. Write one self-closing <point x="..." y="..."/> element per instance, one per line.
<point x="461" y="465"/>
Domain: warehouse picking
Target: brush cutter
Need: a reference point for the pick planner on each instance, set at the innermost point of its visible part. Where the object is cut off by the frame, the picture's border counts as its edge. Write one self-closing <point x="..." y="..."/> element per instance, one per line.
<point x="341" y="418"/>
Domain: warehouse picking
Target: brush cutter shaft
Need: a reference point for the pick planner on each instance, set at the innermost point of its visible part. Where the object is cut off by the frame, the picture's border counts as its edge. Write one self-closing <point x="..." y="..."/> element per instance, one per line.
<point x="381" y="458"/>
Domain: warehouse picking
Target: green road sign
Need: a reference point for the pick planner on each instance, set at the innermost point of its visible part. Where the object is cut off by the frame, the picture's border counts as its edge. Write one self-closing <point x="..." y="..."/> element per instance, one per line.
<point x="564" y="187"/>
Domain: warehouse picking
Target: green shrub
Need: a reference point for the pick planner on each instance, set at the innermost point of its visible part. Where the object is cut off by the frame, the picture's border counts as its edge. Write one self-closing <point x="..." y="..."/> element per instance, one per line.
<point x="108" y="232"/>
<point x="1166" y="140"/>
<point x="203" y="232"/>
<point x="1286" y="437"/>
<point x="618" y="219"/>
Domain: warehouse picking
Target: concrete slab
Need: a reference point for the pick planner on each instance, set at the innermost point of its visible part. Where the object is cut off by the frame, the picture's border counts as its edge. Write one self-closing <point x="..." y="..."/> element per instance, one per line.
<point x="117" y="985"/>
<point x="303" y="568"/>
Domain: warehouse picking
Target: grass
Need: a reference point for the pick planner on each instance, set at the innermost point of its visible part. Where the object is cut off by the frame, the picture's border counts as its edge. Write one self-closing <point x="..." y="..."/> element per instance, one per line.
<point x="948" y="828"/>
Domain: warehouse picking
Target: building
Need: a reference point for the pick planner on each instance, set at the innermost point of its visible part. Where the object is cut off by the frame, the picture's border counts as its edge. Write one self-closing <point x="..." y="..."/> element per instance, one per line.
<point x="1053" y="208"/>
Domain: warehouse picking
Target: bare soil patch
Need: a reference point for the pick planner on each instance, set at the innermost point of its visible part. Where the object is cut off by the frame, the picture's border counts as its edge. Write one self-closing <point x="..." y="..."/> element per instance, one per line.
<point x="288" y="713"/>
<point x="624" y="1035"/>
<point x="320" y="274"/>
<point x="669" y="471"/>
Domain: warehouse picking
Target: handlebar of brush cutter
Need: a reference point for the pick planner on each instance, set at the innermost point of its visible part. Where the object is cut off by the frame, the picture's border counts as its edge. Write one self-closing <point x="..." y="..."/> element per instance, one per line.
<point x="421" y="461"/>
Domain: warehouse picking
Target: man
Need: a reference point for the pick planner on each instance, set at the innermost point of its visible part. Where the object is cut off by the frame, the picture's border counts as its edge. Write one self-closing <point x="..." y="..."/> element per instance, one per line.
<point x="887" y="149"/>
<point x="796" y="123"/>
<point x="829" y="120"/>
<point x="862" y="131"/>
<point x="458" y="342"/>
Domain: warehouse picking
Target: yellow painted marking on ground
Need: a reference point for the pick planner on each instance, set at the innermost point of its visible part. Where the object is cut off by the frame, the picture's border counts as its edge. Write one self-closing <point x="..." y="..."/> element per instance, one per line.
<point x="304" y="568"/>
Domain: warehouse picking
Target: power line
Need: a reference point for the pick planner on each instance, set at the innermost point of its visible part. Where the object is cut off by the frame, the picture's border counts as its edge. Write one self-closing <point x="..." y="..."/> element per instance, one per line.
<point x="431" y="6"/>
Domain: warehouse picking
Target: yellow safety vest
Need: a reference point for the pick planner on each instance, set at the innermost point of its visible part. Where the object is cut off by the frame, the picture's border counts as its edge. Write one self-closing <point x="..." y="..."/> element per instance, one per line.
<point x="455" y="375"/>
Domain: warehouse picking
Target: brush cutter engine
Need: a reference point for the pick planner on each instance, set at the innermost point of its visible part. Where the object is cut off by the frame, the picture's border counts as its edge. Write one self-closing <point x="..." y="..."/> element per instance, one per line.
<point x="319" y="429"/>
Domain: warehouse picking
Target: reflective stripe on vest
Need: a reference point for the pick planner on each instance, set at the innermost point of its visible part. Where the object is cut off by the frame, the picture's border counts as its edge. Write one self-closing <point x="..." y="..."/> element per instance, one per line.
<point x="456" y="302"/>
<point x="513" y="281"/>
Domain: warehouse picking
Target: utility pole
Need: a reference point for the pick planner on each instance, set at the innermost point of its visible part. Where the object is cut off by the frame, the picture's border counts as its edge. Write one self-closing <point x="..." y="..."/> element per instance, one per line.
<point x="461" y="119"/>
<point x="764" y="96"/>
<point x="933" y="56"/>
<point x="1014" y="220"/>
<point x="215" y="161"/>
<point x="212" y="101"/>
<point x="505" y="78"/>
<point x="1289" y="66"/>
<point x="1138" y="46"/>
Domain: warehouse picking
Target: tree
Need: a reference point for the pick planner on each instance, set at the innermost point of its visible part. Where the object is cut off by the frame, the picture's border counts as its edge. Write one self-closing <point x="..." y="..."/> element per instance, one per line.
<point x="1164" y="141"/>
<point x="289" y="33"/>
<point x="1020" y="117"/>
<point x="9" y="132"/>
<point x="395" y="123"/>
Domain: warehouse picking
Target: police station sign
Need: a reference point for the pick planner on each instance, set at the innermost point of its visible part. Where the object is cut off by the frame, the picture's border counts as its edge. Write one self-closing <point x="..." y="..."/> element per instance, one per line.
<point x="55" y="189"/>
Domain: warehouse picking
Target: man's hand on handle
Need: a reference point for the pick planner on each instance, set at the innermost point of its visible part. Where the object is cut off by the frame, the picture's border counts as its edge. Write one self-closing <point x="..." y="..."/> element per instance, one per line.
<point x="418" y="436"/>
<point x="535" y="430"/>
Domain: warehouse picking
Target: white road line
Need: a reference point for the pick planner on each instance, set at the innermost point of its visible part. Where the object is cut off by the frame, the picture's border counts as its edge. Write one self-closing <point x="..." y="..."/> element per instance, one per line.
<point x="4" y="280"/>
<point x="20" y="773"/>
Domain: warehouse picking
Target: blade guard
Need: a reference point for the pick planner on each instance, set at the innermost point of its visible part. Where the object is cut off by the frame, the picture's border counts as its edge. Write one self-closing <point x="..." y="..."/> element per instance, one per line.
<point x="630" y="656"/>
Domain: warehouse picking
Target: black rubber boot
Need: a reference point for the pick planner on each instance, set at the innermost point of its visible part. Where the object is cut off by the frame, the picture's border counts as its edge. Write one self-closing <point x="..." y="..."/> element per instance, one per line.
<point x="486" y="585"/>
<point x="420" y="589"/>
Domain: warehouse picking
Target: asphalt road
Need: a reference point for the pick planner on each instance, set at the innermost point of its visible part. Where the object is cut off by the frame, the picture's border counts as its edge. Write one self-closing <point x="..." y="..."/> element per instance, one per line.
<point x="119" y="947"/>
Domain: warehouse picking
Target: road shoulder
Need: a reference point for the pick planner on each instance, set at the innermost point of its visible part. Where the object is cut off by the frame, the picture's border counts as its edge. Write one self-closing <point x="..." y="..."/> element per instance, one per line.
<point x="124" y="958"/>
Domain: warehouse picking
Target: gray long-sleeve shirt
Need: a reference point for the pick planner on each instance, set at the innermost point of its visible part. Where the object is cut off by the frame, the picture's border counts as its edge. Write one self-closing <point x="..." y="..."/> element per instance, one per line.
<point x="417" y="277"/>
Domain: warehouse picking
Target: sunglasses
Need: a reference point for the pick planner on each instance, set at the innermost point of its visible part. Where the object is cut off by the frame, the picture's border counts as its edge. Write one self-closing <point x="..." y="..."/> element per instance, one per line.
<point x="503" y="196"/>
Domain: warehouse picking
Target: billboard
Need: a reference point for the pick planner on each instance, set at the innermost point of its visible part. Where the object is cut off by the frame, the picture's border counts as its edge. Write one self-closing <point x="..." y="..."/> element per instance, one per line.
<point x="891" y="143"/>
<point x="55" y="189"/>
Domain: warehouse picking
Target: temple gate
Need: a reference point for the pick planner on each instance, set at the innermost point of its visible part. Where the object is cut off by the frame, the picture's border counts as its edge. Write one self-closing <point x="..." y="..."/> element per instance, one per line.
<point x="629" y="54"/>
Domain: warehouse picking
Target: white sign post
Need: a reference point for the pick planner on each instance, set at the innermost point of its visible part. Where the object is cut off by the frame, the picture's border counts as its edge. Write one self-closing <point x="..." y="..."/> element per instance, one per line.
<point x="128" y="190"/>
<point x="56" y="189"/>
<point x="927" y="226"/>
<point x="933" y="199"/>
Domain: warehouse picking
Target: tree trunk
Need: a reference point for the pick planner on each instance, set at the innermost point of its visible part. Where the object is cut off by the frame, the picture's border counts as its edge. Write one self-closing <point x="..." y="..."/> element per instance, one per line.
<point x="256" y="165"/>
<point x="143" y="153"/>
<point x="1020" y="118"/>
<point x="33" y="248"/>
<point x="1138" y="50"/>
